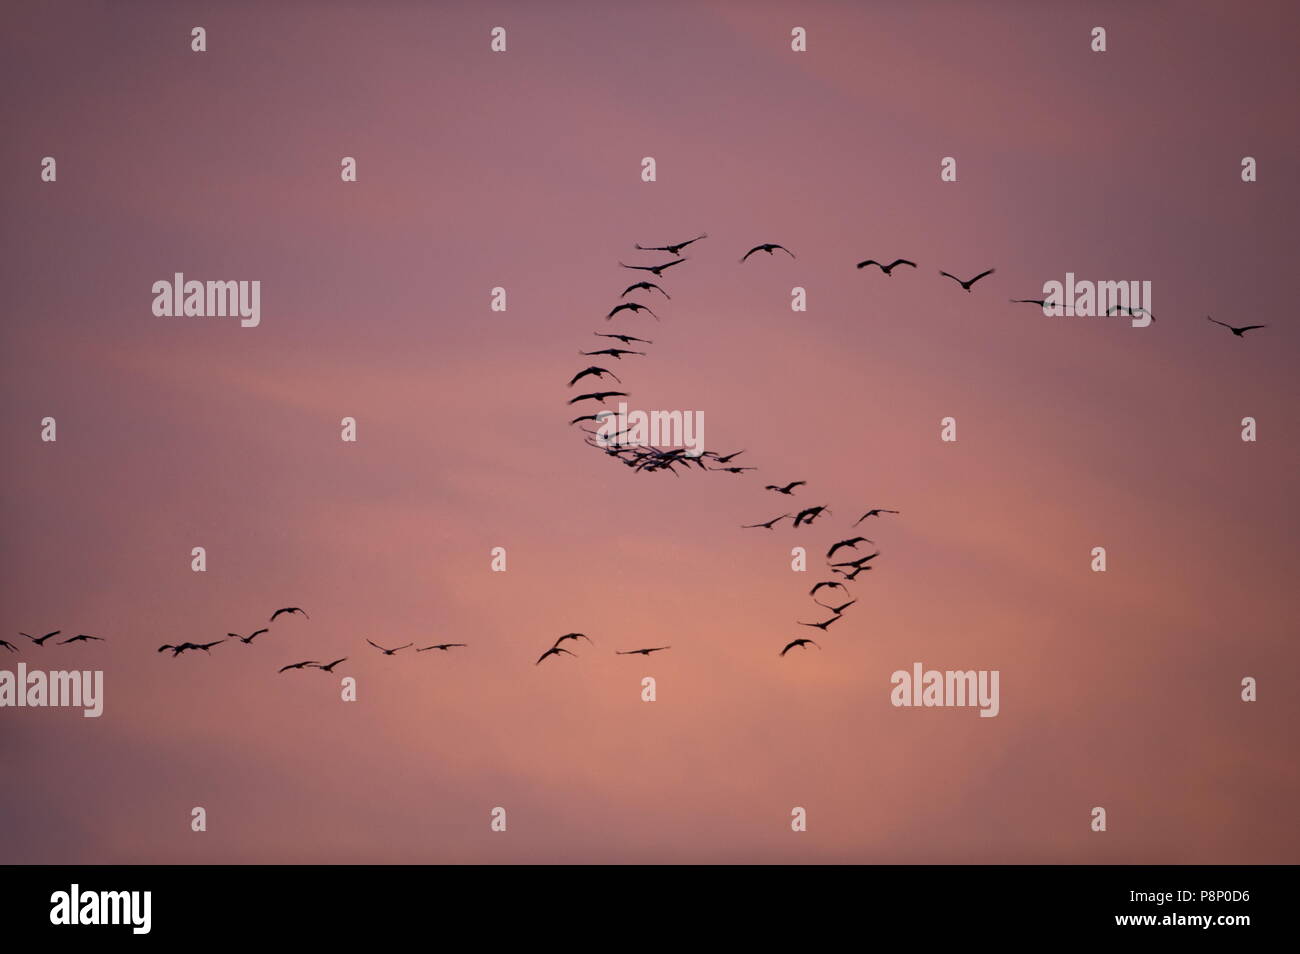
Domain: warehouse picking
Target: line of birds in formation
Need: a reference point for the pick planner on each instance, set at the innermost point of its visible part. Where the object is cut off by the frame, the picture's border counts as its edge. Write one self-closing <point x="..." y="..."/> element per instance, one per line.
<point x="649" y="458"/>
<point x="558" y="650"/>
<point x="176" y="649"/>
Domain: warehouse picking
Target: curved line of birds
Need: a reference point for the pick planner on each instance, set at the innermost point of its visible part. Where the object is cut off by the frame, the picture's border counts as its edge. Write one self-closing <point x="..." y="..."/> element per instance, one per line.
<point x="649" y="458"/>
<point x="177" y="649"/>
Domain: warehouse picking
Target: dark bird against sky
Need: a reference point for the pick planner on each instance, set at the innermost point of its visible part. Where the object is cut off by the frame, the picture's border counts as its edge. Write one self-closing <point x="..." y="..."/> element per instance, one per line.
<point x="553" y="651"/>
<point x="809" y="515"/>
<point x="655" y="270"/>
<point x="599" y="373"/>
<point x="389" y="652"/>
<point x="788" y="488"/>
<point x="887" y="269"/>
<point x="631" y="306"/>
<point x="249" y="638"/>
<point x="769" y="525"/>
<point x="616" y="353"/>
<point x="852" y="543"/>
<point x="768" y="247"/>
<point x="672" y="249"/>
<point x="797" y="642"/>
<point x="626" y="339"/>
<point x="967" y="285"/>
<point x="289" y="609"/>
<point x="644" y="285"/>
<point x="818" y="586"/>
<point x="573" y="636"/>
<point x="1239" y="332"/>
<point x="40" y="640"/>
<point x="597" y="396"/>
<point x="872" y="513"/>
<point x="300" y="665"/>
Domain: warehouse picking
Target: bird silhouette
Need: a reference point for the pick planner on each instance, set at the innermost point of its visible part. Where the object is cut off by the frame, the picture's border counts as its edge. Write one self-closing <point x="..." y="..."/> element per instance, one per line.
<point x="1130" y="311"/>
<point x="1239" y="332"/>
<point x="851" y="543"/>
<point x="80" y="638"/>
<point x="631" y="306"/>
<point x="8" y="645"/>
<point x="443" y="646"/>
<point x="767" y="526"/>
<point x="642" y="652"/>
<point x="185" y="647"/>
<point x="301" y="665"/>
<point x="40" y="640"/>
<point x="854" y="575"/>
<point x="859" y="561"/>
<point x="967" y="285"/>
<point x="1041" y="302"/>
<point x="249" y="638"/>
<point x="672" y="249"/>
<point x="797" y="642"/>
<point x="647" y="286"/>
<point x="768" y="247"/>
<point x="788" y="488"/>
<point x="655" y="270"/>
<point x="723" y="459"/>
<point x="553" y="651"/>
<point x="615" y="353"/>
<point x="872" y="513"/>
<point x="887" y="269"/>
<point x="329" y="667"/>
<point x="573" y="636"/>
<point x="626" y="339"/>
<point x="289" y="609"/>
<point x="813" y="591"/>
<point x="596" y="396"/>
<point x="593" y="370"/>
<point x="823" y="626"/>
<point x="838" y="610"/>
<point x="809" y="515"/>
<point x="388" y="652"/>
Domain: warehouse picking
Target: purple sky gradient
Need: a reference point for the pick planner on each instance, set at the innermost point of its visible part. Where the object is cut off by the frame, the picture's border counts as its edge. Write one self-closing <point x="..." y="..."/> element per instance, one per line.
<point x="522" y="170"/>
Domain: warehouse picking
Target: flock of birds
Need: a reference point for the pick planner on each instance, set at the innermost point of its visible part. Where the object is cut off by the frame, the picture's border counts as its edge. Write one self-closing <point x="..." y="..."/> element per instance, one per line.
<point x="177" y="649"/>
<point x="42" y="640"/>
<point x="558" y="650"/>
<point x="649" y="458"/>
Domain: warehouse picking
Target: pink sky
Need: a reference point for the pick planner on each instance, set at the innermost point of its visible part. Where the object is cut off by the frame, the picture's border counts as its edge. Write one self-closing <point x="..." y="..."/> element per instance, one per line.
<point x="522" y="170"/>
